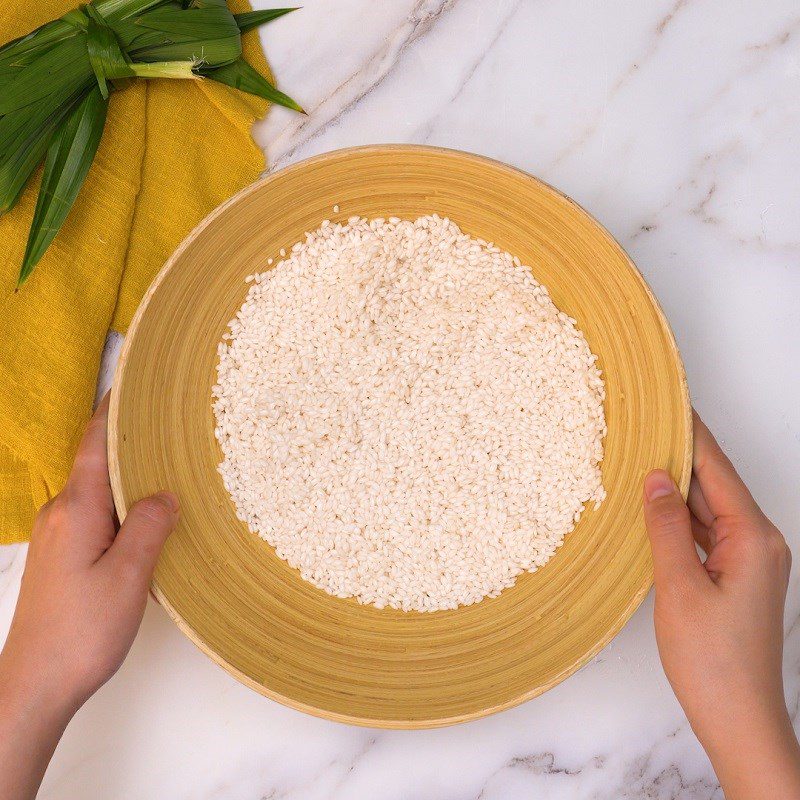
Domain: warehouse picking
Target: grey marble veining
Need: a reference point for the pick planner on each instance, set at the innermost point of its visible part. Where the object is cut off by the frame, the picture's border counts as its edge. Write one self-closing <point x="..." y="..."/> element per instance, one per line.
<point x="675" y="123"/>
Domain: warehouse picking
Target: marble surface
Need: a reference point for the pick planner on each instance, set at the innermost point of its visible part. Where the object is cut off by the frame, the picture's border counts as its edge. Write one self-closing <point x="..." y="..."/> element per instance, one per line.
<point x="676" y="123"/>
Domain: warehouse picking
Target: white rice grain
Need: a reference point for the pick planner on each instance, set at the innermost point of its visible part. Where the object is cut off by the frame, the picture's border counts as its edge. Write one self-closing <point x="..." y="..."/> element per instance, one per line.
<point x="405" y="416"/>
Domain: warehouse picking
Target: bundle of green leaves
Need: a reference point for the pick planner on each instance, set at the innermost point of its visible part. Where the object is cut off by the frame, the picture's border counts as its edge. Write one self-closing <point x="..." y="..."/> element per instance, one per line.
<point x="55" y="85"/>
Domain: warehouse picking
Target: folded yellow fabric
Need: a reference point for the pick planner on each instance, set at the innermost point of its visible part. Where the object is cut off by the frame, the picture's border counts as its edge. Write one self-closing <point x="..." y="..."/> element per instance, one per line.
<point x="171" y="152"/>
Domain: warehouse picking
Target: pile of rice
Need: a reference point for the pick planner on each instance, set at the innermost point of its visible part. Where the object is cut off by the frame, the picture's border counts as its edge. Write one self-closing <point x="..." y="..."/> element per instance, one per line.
<point x="405" y="416"/>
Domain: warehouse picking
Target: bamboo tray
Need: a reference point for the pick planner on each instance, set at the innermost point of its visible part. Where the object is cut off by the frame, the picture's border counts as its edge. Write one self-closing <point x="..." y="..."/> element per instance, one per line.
<point x="253" y="614"/>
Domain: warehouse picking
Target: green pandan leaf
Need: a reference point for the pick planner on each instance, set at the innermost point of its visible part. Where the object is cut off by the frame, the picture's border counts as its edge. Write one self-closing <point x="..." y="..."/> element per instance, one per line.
<point x="69" y="158"/>
<point x="240" y="75"/>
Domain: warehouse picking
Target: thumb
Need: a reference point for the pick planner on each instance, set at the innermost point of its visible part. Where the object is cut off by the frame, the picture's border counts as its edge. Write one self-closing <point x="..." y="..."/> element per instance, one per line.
<point x="670" y="530"/>
<point x="142" y="535"/>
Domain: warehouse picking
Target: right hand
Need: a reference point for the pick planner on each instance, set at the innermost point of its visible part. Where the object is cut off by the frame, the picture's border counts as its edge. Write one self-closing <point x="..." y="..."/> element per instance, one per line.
<point x="719" y="622"/>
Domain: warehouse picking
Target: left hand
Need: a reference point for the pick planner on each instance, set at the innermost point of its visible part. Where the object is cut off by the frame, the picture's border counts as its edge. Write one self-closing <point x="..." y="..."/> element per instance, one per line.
<point x="81" y="602"/>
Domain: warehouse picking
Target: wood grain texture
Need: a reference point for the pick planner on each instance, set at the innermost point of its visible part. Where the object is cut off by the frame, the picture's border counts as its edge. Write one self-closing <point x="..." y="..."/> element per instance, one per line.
<point x="253" y="614"/>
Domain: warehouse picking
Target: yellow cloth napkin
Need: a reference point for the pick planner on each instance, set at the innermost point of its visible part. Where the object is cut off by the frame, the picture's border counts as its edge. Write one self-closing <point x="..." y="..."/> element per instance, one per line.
<point x="171" y="152"/>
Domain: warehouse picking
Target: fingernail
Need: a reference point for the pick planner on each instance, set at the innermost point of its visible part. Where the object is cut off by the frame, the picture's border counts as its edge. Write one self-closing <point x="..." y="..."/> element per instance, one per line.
<point x="170" y="500"/>
<point x="658" y="484"/>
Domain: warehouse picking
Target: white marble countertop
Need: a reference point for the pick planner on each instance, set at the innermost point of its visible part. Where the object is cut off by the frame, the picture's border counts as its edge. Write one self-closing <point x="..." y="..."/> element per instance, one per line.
<point x="676" y="123"/>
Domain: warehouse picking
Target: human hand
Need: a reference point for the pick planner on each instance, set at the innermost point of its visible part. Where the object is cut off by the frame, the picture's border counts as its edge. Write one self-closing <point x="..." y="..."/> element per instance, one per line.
<point x="719" y="622"/>
<point x="81" y="602"/>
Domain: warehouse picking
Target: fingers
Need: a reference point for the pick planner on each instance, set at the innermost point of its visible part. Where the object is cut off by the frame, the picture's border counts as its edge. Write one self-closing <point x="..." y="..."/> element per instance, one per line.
<point x="141" y="536"/>
<point x="670" y="530"/>
<point x="89" y="477"/>
<point x="702" y="518"/>
<point x="703" y="536"/>
<point x="723" y="490"/>
<point x="698" y="504"/>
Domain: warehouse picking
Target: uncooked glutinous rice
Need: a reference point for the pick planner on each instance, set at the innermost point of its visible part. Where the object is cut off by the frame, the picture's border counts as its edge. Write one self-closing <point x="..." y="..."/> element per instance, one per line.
<point x="405" y="416"/>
